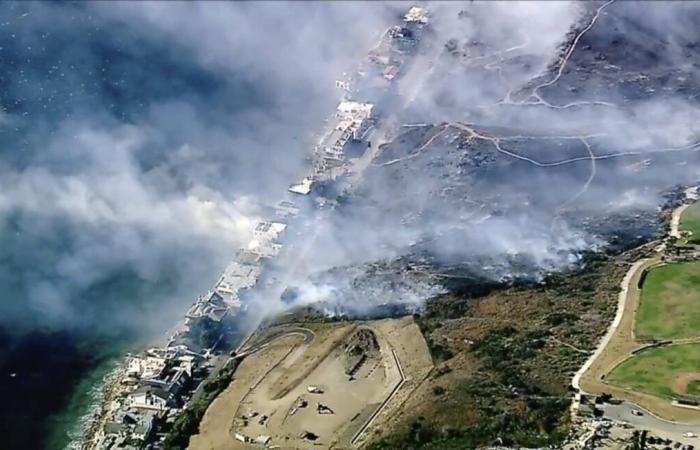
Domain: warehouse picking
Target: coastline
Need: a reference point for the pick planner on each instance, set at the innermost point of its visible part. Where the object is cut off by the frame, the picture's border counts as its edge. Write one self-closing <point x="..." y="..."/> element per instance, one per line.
<point x="88" y="431"/>
<point x="171" y="365"/>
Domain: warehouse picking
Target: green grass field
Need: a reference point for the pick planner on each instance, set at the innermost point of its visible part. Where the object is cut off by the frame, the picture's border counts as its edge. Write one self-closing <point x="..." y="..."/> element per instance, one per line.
<point x="656" y="371"/>
<point x="690" y="221"/>
<point x="670" y="303"/>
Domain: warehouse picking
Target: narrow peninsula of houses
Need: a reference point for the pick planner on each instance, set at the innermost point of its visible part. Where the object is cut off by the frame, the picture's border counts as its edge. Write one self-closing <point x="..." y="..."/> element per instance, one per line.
<point x="147" y="395"/>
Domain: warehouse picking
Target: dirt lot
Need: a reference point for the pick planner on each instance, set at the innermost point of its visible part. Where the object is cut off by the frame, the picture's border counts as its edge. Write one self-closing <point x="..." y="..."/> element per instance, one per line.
<point x="358" y="371"/>
<point x="214" y="430"/>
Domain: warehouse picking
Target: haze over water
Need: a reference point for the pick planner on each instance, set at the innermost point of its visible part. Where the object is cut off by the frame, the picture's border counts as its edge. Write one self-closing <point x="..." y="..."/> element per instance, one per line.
<point x="99" y="140"/>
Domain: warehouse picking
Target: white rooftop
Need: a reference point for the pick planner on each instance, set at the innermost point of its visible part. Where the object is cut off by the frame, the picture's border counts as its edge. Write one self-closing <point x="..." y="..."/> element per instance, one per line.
<point x="351" y="110"/>
<point x="302" y="188"/>
<point x="416" y="14"/>
<point x="264" y="247"/>
<point x="269" y="230"/>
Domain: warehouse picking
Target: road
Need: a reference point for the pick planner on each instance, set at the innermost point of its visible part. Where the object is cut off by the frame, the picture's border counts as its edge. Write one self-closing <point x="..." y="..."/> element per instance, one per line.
<point x="647" y="421"/>
<point x="621" y="307"/>
<point x="253" y="347"/>
<point x="690" y="195"/>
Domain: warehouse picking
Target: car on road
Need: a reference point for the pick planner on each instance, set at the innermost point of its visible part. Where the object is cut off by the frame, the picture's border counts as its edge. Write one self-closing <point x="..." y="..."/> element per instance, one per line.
<point x="637" y="412"/>
<point x="690" y="434"/>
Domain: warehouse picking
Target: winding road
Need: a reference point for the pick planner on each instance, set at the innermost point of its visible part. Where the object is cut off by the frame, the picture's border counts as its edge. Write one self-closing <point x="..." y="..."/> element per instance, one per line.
<point x="307" y="334"/>
<point x="694" y="147"/>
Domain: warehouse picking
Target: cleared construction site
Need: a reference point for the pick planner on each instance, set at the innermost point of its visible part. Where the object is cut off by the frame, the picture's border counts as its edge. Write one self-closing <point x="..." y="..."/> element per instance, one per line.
<point x="317" y="385"/>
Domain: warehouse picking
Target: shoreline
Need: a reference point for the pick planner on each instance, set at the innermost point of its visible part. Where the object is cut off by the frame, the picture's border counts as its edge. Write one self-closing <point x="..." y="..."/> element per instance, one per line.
<point x="98" y="415"/>
<point x="86" y="431"/>
<point x="227" y="298"/>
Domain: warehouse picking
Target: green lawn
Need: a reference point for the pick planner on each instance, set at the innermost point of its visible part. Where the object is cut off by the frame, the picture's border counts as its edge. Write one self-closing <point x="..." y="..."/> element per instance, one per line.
<point x="670" y="303"/>
<point x="655" y="371"/>
<point x="690" y="221"/>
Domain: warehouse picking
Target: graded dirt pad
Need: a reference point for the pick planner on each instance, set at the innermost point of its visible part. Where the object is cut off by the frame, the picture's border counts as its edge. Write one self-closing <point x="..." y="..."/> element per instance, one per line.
<point x="214" y="430"/>
<point x="318" y="393"/>
<point x="413" y="355"/>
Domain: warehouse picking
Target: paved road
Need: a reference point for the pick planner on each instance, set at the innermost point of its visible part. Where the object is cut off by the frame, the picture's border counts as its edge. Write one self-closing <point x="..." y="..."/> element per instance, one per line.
<point x="647" y="421"/>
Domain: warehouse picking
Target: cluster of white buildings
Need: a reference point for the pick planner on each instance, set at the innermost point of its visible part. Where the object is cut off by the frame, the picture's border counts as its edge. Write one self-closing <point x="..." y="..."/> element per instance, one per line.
<point x="155" y="385"/>
<point x="389" y="55"/>
<point x="349" y="125"/>
<point x="227" y="296"/>
<point x="353" y="120"/>
<point x="159" y="381"/>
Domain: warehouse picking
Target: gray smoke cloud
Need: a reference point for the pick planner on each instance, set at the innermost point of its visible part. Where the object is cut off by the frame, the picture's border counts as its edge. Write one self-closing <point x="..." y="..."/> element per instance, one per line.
<point x="168" y="126"/>
<point x="206" y="111"/>
<point x="520" y="197"/>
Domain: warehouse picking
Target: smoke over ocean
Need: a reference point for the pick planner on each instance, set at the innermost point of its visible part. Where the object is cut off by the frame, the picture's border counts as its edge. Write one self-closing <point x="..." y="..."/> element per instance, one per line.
<point x="140" y="141"/>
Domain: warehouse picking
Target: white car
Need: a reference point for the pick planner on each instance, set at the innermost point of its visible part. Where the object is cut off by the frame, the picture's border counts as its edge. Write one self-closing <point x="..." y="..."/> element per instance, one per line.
<point x="690" y="434"/>
<point x="636" y="412"/>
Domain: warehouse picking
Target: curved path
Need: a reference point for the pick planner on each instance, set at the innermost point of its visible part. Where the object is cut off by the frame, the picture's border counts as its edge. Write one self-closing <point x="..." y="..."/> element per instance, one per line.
<point x="634" y="273"/>
<point x="307" y="334"/>
<point x="496" y="141"/>
<point x="617" y="345"/>
<point x="676" y="221"/>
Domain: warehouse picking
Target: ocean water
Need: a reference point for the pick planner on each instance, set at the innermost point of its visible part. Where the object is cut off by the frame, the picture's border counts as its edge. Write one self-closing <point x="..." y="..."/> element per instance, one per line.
<point x="49" y="369"/>
<point x="79" y="283"/>
<point x="129" y="161"/>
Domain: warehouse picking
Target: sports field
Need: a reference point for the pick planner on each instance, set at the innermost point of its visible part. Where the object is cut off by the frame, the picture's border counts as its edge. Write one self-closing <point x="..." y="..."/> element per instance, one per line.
<point x="670" y="302"/>
<point x="690" y="221"/>
<point x="662" y="371"/>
